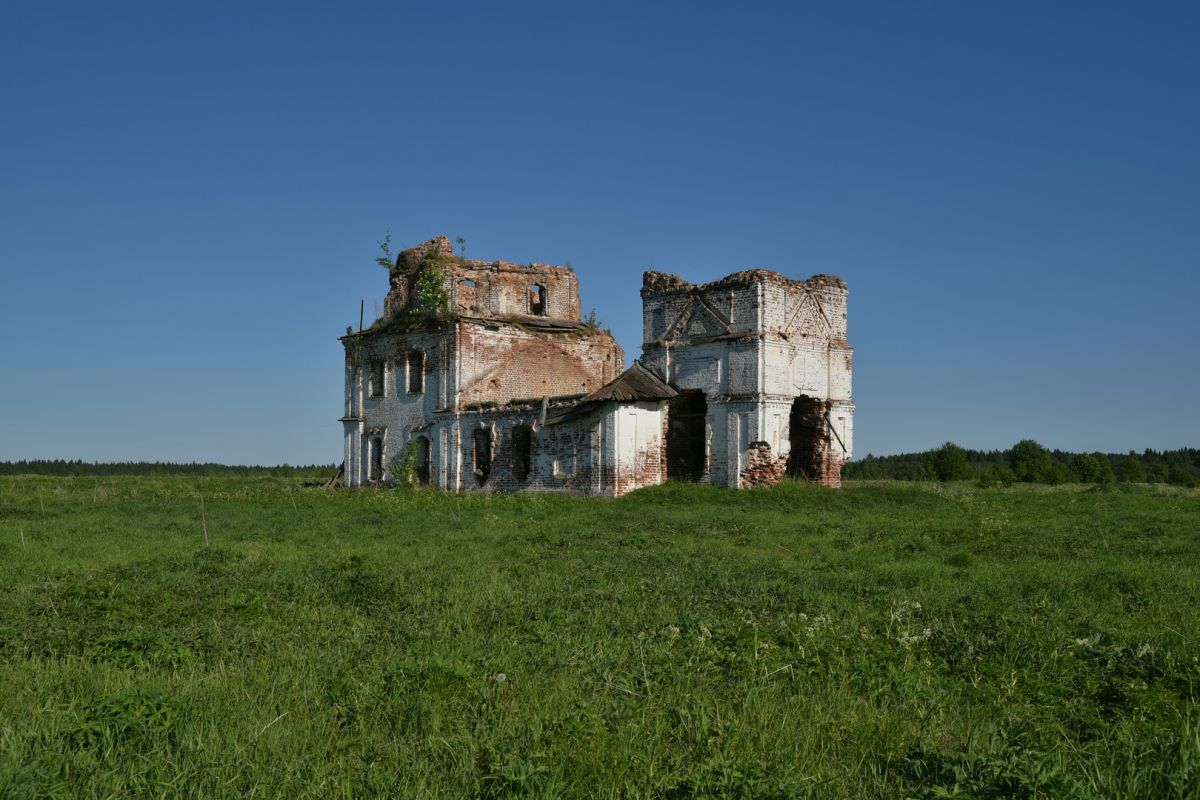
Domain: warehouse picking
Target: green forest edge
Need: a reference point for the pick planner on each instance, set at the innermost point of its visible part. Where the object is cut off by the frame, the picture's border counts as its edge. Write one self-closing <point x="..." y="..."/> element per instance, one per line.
<point x="1026" y="462"/>
<point x="77" y="468"/>
<point x="1029" y="462"/>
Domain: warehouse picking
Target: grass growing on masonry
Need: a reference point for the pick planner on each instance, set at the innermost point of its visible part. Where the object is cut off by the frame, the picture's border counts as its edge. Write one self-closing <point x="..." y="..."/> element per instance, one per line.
<point x="885" y="640"/>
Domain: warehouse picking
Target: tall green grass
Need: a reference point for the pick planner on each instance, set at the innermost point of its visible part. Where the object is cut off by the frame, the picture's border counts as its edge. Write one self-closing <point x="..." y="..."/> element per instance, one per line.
<point x="885" y="640"/>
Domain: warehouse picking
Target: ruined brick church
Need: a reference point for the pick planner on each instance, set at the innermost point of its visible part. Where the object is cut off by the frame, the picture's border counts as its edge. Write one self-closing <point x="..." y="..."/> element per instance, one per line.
<point x="484" y="376"/>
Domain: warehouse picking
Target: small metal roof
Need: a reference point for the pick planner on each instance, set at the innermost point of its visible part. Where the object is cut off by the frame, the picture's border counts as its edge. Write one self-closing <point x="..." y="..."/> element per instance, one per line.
<point x="634" y="384"/>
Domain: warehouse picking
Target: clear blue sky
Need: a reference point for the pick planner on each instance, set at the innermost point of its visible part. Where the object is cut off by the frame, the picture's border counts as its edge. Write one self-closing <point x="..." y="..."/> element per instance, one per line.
<point x="191" y="196"/>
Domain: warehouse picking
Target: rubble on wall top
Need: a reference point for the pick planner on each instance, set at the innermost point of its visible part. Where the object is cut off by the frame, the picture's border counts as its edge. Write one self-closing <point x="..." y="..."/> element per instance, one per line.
<point x="546" y="325"/>
<point x="413" y="259"/>
<point x="654" y="281"/>
<point x="533" y="268"/>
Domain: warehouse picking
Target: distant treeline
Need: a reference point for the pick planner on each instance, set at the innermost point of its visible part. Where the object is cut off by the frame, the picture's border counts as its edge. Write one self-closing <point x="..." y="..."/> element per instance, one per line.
<point x="1030" y="462"/>
<point x="88" y="469"/>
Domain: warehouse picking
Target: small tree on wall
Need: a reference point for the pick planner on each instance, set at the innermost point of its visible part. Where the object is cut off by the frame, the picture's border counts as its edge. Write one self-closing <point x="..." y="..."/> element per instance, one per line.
<point x="385" y="258"/>
<point x="432" y="297"/>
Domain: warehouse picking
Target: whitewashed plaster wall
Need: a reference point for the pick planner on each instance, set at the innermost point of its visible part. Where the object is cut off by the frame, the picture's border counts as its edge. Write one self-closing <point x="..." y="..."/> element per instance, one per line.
<point x="398" y="415"/>
<point x="792" y="343"/>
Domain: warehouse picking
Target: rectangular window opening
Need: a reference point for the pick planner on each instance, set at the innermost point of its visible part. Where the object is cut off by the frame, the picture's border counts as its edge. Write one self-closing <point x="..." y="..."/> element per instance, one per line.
<point x="416" y="372"/>
<point x="537" y="300"/>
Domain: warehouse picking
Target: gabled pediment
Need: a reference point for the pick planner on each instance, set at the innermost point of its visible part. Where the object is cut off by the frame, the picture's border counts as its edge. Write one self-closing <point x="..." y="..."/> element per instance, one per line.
<point x="697" y="320"/>
<point x="807" y="318"/>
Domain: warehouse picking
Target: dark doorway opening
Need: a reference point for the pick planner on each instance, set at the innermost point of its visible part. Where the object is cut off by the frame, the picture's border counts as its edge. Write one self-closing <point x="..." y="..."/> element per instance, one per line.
<point x="806" y="430"/>
<point x="422" y="460"/>
<point x="686" y="415"/>
<point x="522" y="452"/>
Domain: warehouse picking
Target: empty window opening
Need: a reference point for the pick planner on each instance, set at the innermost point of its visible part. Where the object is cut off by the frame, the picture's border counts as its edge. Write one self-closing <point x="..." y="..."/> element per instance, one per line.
<point x="482" y="454"/>
<point x="416" y="372"/>
<point x="537" y="300"/>
<point x="375" y="459"/>
<point x="686" y="415"/>
<point x="422" y="460"/>
<point x="466" y="293"/>
<point x="375" y="380"/>
<point x="522" y="452"/>
<point x="806" y="432"/>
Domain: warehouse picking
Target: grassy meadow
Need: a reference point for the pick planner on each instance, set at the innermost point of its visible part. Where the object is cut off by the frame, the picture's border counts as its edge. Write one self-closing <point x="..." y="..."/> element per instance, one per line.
<point x="248" y="637"/>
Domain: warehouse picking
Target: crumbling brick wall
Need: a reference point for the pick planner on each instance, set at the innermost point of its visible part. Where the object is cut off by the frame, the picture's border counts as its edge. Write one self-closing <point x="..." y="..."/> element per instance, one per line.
<point x="816" y="455"/>
<point x="499" y="289"/>
<point x="496" y="342"/>
<point x="485" y="289"/>
<point x="580" y="455"/>
<point x="402" y="278"/>
<point x="762" y="467"/>
<point x="502" y="362"/>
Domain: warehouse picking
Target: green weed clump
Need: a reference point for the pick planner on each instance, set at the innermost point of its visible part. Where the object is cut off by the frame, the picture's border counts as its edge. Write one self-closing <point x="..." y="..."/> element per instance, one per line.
<point x="885" y="640"/>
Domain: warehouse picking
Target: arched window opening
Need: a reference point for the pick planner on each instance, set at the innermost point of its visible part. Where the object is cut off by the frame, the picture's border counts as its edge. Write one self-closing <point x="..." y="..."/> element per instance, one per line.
<point x="522" y="452"/>
<point x="375" y="459"/>
<point x="482" y="454"/>
<point x="422" y="458"/>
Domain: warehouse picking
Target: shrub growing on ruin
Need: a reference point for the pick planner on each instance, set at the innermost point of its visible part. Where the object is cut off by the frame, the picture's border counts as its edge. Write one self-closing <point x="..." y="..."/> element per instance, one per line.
<point x="432" y="297"/>
<point x="385" y="258"/>
<point x="403" y="467"/>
